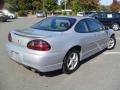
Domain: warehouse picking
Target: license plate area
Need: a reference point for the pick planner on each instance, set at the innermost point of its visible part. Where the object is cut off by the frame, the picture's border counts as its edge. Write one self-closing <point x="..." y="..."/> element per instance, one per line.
<point x="14" y="55"/>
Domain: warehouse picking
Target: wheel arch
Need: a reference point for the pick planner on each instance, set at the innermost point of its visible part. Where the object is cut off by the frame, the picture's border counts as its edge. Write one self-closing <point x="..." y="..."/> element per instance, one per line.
<point x="77" y="47"/>
<point x="113" y="35"/>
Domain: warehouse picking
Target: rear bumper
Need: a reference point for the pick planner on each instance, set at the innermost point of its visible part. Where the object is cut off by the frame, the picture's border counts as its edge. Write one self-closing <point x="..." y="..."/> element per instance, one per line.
<point x="42" y="61"/>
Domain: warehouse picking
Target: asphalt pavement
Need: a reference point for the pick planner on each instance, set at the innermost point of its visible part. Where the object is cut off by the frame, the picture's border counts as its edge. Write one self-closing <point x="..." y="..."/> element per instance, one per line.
<point x="101" y="72"/>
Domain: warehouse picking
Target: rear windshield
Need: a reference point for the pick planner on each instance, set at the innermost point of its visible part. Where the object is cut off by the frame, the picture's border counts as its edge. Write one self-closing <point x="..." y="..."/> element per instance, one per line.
<point x="55" y="24"/>
<point x="39" y="11"/>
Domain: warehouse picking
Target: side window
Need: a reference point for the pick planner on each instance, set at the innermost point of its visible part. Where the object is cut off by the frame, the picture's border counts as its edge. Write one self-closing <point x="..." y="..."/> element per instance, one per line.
<point x="102" y="15"/>
<point x="115" y="15"/>
<point x="94" y="25"/>
<point x="81" y="27"/>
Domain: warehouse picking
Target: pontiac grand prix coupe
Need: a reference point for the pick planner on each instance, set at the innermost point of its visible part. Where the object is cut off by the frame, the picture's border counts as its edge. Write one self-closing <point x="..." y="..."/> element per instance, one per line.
<point x="59" y="42"/>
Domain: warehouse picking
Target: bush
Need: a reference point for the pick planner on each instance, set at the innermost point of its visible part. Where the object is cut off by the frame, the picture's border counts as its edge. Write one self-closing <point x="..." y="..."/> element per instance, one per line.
<point x="22" y="13"/>
<point x="31" y="12"/>
<point x="64" y="13"/>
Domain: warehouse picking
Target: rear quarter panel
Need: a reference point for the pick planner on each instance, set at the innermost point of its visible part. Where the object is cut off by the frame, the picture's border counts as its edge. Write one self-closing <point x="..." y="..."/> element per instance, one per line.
<point x="64" y="42"/>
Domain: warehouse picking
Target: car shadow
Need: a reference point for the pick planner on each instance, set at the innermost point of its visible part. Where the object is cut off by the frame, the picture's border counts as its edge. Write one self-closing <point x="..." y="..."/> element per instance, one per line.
<point x="59" y="72"/>
<point x="6" y="21"/>
<point x="93" y="56"/>
<point x="52" y="73"/>
<point x="9" y="21"/>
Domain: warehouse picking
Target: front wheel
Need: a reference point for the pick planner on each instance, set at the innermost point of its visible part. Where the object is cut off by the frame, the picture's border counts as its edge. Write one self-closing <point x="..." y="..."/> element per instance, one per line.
<point x="71" y="61"/>
<point x="115" y="27"/>
<point x="111" y="43"/>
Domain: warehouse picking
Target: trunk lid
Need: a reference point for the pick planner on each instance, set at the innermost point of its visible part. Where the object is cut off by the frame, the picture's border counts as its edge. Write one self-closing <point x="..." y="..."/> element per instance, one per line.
<point x="22" y="37"/>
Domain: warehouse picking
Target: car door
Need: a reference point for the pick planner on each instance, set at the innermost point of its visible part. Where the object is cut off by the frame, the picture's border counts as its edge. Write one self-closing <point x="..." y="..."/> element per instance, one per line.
<point x="100" y="34"/>
<point x="103" y="18"/>
<point x="87" y="40"/>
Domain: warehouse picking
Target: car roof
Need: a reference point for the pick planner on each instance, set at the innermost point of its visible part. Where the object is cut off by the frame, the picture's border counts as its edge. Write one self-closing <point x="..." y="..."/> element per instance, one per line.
<point x="97" y="13"/>
<point x="106" y="12"/>
<point x="75" y="17"/>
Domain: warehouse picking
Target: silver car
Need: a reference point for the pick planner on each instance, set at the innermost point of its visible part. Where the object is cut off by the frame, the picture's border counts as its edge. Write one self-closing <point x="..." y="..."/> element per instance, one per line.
<point x="40" y="14"/>
<point x="59" y="42"/>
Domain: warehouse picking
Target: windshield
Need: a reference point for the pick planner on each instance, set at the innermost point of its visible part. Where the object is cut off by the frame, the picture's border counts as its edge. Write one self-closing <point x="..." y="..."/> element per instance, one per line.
<point x="55" y="24"/>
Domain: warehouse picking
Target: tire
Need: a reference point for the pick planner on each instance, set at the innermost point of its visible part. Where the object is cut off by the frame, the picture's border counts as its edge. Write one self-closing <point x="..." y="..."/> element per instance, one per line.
<point x="11" y="17"/>
<point x="111" y="43"/>
<point x="70" y="65"/>
<point x="115" y="27"/>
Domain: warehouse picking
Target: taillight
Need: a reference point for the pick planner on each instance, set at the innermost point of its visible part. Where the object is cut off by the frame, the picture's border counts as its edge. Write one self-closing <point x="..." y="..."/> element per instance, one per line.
<point x="9" y="37"/>
<point x="39" y="45"/>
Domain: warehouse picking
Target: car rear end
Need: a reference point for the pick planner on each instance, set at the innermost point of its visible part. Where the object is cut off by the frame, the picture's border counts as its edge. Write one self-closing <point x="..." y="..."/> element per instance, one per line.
<point x="33" y="51"/>
<point x="40" y="46"/>
<point x="40" y="14"/>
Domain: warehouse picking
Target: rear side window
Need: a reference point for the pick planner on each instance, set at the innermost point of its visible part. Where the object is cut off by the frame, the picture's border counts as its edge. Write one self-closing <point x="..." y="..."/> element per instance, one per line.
<point x="94" y="25"/>
<point x="102" y="15"/>
<point x="46" y="23"/>
<point x="81" y="27"/>
<point x="116" y="15"/>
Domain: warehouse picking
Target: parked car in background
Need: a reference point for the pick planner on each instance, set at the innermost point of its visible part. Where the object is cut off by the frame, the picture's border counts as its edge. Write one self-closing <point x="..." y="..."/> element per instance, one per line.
<point x="40" y="13"/>
<point x="110" y="19"/>
<point x="85" y="13"/>
<point x="3" y="18"/>
<point x="89" y="12"/>
<point x="80" y="14"/>
<point x="8" y="13"/>
<point x="59" y="42"/>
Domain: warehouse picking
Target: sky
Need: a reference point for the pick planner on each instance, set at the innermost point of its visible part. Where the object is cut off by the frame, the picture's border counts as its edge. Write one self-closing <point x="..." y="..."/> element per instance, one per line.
<point x="106" y="2"/>
<point x="103" y="2"/>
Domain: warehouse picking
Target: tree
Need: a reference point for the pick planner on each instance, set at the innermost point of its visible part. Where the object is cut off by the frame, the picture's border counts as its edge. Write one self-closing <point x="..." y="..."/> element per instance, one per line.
<point x="89" y="5"/>
<point x="69" y="3"/>
<point x="62" y="4"/>
<point x="50" y="5"/>
<point x="17" y="5"/>
<point x="37" y="4"/>
<point x="14" y="4"/>
<point x="103" y="8"/>
<point x="22" y="5"/>
<point x="25" y="4"/>
<point x="78" y="5"/>
<point x="115" y="7"/>
<point x="75" y="6"/>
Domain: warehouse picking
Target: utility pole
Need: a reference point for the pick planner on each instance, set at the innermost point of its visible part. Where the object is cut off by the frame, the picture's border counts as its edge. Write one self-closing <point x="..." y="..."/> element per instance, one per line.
<point x="65" y="4"/>
<point x="43" y="5"/>
<point x="44" y="11"/>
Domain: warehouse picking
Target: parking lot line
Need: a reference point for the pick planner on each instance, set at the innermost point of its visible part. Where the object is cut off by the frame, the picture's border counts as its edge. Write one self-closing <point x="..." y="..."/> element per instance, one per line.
<point x="111" y="53"/>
